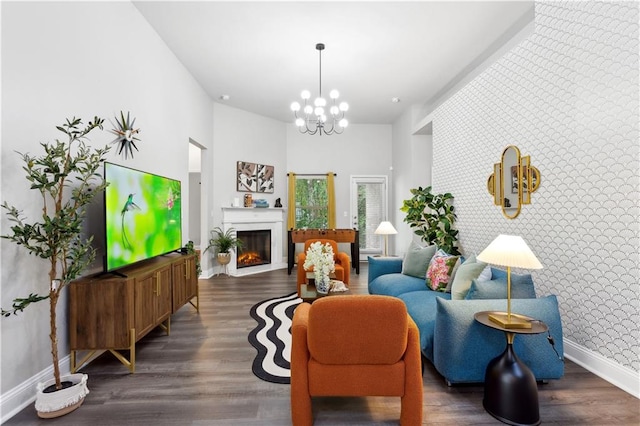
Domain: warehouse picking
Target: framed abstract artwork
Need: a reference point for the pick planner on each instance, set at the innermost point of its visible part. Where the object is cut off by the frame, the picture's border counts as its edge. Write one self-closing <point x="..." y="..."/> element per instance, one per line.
<point x="265" y="178"/>
<point x="246" y="173"/>
<point x="252" y="177"/>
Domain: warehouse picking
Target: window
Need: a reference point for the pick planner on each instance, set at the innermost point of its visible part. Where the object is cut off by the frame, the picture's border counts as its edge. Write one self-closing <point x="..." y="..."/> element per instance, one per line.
<point x="312" y="203"/>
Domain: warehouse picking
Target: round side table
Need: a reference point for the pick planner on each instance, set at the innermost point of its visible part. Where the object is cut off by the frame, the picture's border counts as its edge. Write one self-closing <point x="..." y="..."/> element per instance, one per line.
<point x="510" y="388"/>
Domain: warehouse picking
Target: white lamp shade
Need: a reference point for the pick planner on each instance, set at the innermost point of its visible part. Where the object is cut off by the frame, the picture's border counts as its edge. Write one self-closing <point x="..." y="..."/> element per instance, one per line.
<point x="385" y="228"/>
<point x="509" y="250"/>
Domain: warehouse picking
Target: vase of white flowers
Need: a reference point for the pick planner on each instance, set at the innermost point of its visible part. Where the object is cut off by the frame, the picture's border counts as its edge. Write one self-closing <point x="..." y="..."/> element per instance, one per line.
<point x="320" y="258"/>
<point x="324" y="285"/>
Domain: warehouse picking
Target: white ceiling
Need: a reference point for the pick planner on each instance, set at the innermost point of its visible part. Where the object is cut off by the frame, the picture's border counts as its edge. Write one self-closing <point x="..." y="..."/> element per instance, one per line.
<point x="262" y="54"/>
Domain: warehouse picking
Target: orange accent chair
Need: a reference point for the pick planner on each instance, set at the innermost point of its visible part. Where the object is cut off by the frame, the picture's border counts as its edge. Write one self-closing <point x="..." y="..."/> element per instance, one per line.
<point x="355" y="345"/>
<point x="343" y="263"/>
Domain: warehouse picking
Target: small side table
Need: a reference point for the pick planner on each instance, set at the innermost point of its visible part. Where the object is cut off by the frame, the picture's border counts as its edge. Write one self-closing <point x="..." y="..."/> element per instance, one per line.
<point x="510" y="388"/>
<point x="311" y="277"/>
<point x="309" y="294"/>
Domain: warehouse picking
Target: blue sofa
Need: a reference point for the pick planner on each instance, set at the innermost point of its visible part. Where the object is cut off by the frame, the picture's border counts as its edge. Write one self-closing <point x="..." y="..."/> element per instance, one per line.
<point x="458" y="346"/>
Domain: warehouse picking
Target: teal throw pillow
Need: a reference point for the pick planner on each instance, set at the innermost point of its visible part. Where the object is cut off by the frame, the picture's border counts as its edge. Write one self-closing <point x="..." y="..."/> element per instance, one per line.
<point x="417" y="259"/>
<point x="467" y="272"/>
<point x="521" y="288"/>
<point x="486" y="274"/>
<point x="440" y="270"/>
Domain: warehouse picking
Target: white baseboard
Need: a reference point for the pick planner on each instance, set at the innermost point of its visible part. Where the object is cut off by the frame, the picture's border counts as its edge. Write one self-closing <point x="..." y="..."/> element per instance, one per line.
<point x="616" y="374"/>
<point x="18" y="398"/>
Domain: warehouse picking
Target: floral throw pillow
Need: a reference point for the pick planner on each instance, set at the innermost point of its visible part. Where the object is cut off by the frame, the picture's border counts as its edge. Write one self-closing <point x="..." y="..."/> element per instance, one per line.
<point x="440" y="270"/>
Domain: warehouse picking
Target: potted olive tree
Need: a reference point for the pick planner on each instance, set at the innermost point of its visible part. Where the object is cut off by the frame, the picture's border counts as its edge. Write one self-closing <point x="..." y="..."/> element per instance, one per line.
<point x="431" y="216"/>
<point x="66" y="176"/>
<point x="223" y="243"/>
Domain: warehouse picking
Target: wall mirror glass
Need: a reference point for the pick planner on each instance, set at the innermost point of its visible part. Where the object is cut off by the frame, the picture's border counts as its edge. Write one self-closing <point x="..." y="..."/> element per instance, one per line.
<point x="513" y="181"/>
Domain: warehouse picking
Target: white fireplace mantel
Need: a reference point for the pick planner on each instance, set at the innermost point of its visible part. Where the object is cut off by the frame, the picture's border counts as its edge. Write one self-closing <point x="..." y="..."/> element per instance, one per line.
<point x="254" y="219"/>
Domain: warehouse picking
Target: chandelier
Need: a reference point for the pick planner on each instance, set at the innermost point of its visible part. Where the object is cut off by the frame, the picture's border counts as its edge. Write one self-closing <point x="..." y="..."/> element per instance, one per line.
<point x="313" y="118"/>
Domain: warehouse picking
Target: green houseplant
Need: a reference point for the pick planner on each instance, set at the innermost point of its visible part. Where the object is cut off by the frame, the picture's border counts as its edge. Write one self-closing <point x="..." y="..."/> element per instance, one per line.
<point x="222" y="243"/>
<point x="431" y="216"/>
<point x="66" y="176"/>
<point x="191" y="249"/>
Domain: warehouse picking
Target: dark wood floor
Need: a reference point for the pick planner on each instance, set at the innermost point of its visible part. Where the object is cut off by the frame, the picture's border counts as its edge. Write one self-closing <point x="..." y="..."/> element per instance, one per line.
<point x="201" y="375"/>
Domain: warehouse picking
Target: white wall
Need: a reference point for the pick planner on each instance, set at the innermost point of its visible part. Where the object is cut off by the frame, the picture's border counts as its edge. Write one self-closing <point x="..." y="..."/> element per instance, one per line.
<point x="195" y="207"/>
<point x="412" y="163"/>
<point x="81" y="59"/>
<point x="243" y="136"/>
<point x="567" y="96"/>
<point x="363" y="149"/>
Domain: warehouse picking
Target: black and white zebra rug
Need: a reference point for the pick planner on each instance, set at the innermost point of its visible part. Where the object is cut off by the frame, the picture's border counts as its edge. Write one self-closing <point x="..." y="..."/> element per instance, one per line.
<point x="272" y="338"/>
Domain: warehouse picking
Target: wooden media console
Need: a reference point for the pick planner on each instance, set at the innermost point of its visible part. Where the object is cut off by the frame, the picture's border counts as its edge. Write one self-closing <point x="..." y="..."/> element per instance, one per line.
<point x="112" y="312"/>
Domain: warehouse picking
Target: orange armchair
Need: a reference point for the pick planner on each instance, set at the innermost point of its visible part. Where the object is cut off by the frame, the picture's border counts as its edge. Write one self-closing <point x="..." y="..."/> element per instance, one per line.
<point x="360" y="345"/>
<point x="343" y="264"/>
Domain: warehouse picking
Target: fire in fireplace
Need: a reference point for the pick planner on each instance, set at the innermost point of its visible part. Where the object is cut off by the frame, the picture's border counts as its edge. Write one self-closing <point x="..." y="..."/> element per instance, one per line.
<point x="256" y="248"/>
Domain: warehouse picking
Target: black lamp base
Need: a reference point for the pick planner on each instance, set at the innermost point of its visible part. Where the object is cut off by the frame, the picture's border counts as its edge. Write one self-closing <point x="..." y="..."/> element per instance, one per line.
<point x="511" y="391"/>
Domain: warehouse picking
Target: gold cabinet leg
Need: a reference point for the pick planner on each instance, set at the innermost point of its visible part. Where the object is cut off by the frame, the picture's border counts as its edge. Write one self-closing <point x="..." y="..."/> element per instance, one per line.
<point x="131" y="362"/>
<point x="166" y="325"/>
<point x="197" y="297"/>
<point x="75" y="364"/>
<point x="132" y="350"/>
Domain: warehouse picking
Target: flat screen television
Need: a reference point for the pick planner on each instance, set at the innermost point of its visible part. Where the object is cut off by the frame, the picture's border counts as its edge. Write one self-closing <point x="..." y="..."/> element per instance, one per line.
<point x="142" y="216"/>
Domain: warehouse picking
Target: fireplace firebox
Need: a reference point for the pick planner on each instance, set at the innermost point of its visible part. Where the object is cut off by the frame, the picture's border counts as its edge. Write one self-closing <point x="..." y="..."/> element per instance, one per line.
<point x="256" y="248"/>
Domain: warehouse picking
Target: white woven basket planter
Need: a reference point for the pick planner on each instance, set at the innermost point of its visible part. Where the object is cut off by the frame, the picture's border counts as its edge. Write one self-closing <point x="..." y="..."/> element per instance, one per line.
<point x="64" y="401"/>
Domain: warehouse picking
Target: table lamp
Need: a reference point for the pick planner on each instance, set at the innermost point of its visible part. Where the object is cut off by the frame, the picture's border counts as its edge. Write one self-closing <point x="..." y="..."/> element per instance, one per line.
<point x="509" y="251"/>
<point x="385" y="228"/>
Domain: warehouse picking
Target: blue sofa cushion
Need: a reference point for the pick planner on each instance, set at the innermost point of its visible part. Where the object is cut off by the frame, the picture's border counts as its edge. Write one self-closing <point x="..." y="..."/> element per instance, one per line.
<point x="417" y="260"/>
<point x="465" y="346"/>
<point x="466" y="273"/>
<point x="521" y="288"/>
<point x="396" y="284"/>
<point x="421" y="306"/>
<point x="379" y="266"/>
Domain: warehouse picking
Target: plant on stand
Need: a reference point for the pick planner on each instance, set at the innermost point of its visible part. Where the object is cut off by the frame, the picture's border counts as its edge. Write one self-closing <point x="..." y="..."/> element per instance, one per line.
<point x="223" y="243"/>
<point x="431" y="217"/>
<point x="67" y="178"/>
<point x="320" y="257"/>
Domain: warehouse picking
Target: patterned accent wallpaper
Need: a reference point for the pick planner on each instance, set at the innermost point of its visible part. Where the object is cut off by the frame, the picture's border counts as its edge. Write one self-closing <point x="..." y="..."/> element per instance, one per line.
<point x="568" y="97"/>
